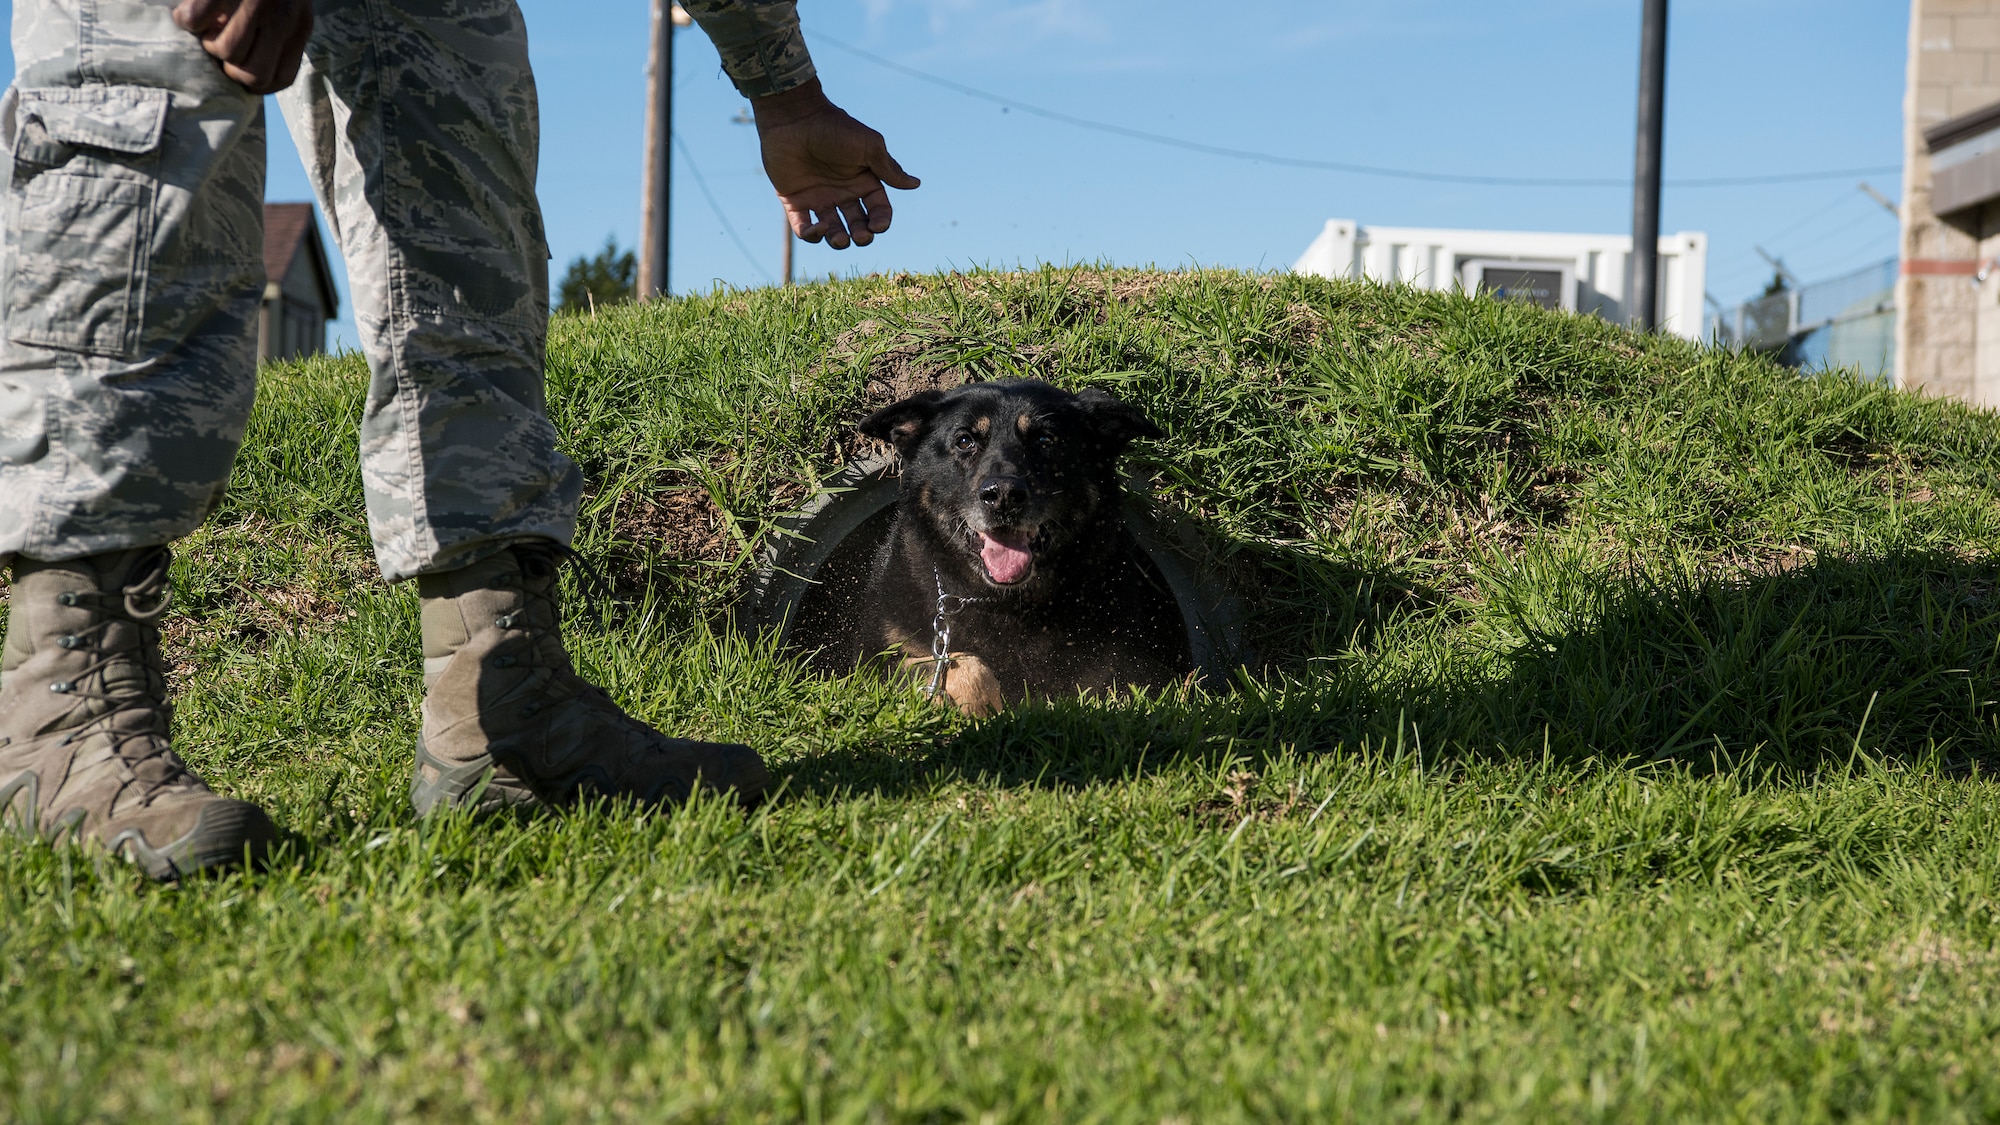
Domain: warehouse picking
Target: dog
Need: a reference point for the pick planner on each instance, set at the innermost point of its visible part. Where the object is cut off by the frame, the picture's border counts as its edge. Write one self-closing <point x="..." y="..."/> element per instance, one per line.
<point x="1009" y="553"/>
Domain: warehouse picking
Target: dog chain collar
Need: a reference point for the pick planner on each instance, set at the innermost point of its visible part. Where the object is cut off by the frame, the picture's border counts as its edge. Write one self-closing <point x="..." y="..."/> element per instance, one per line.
<point x="948" y="606"/>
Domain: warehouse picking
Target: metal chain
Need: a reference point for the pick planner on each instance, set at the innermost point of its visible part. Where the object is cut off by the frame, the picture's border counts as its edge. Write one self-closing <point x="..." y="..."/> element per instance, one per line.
<point x="948" y="605"/>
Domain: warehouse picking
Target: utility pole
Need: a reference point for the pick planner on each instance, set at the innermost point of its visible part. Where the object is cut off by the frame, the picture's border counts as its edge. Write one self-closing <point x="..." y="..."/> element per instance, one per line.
<point x="656" y="183"/>
<point x="1888" y="204"/>
<point x="1778" y="264"/>
<point x="1643" y="303"/>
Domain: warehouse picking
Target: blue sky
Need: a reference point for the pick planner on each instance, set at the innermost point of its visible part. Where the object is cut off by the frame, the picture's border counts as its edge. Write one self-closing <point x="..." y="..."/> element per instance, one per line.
<point x="1531" y="88"/>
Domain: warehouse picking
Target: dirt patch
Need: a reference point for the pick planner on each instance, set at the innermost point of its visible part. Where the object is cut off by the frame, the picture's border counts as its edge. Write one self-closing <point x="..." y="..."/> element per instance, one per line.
<point x="1130" y="288"/>
<point x="1242" y="798"/>
<point x="908" y="287"/>
<point x="897" y="365"/>
<point x="1120" y="286"/>
<point x="1767" y="562"/>
<point x="1551" y="493"/>
<point x="277" y="609"/>
<point x="678" y="519"/>
<point x="1303" y="326"/>
<point x="904" y="370"/>
<point x="901" y="356"/>
<point x="246" y="615"/>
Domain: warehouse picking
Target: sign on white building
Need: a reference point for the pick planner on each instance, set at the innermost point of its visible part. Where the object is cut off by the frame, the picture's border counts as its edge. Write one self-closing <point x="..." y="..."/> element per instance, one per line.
<point x="1578" y="272"/>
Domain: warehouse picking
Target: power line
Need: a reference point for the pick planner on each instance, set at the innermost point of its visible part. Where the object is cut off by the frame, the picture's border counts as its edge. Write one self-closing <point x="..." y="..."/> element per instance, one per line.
<point x="1335" y="166"/>
<point x="1844" y="199"/>
<point x="1726" y="273"/>
<point x="1865" y="220"/>
<point x="702" y="183"/>
<point x="1864" y="251"/>
<point x="1874" y="249"/>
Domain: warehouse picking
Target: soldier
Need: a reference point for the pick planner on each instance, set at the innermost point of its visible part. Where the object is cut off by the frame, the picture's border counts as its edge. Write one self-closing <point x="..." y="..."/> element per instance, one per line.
<point x="129" y="286"/>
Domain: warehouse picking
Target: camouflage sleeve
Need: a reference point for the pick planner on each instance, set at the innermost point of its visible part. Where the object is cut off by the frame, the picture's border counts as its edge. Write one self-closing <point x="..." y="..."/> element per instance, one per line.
<point x="759" y="40"/>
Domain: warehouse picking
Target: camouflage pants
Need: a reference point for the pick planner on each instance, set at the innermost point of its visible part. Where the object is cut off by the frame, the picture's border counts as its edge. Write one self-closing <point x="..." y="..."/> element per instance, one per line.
<point x="132" y="273"/>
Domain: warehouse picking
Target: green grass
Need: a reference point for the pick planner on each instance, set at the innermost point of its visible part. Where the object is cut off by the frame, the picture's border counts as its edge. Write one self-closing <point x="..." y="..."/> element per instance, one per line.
<point x="1620" y="749"/>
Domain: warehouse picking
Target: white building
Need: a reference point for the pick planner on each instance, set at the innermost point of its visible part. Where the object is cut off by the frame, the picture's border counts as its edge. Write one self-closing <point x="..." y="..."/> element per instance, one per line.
<point x="1578" y="272"/>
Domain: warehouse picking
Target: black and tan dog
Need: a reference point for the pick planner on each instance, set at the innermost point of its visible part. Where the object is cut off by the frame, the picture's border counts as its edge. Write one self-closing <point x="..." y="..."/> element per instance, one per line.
<point x="1010" y="517"/>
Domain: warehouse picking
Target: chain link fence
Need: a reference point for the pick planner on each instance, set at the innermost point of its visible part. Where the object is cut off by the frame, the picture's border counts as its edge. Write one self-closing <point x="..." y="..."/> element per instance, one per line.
<point x="1846" y="321"/>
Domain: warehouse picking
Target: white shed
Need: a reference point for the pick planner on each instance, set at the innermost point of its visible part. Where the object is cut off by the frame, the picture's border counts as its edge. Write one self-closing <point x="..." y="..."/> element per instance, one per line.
<point x="1580" y="272"/>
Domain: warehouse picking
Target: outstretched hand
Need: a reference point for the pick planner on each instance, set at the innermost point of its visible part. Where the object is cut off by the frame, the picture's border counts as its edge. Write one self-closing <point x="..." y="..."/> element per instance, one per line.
<point x="829" y="169"/>
<point x="259" y="42"/>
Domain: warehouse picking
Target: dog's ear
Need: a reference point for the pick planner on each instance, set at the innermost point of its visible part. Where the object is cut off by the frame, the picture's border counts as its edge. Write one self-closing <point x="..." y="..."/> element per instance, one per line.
<point x="902" y="424"/>
<point x="1118" y="423"/>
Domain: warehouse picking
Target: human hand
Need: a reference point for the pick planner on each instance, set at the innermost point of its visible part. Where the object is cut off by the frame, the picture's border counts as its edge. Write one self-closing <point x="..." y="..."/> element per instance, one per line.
<point x="829" y="169"/>
<point x="258" y="42"/>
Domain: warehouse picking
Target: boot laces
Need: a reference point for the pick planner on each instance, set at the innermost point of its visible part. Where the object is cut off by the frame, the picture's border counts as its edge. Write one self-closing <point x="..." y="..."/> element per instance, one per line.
<point x="541" y="617"/>
<point x="542" y="559"/>
<point x="144" y="599"/>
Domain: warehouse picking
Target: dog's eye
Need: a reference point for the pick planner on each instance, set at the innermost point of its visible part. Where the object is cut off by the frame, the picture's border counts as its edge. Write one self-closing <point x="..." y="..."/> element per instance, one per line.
<point x="964" y="442"/>
<point x="1045" y="440"/>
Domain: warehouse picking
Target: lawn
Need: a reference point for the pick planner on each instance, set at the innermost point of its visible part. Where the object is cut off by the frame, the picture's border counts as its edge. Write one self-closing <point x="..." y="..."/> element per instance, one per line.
<point x="1618" y="748"/>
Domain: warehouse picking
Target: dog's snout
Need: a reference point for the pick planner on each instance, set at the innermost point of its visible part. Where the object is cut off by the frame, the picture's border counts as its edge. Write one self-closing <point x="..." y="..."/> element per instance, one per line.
<point x="1003" y="493"/>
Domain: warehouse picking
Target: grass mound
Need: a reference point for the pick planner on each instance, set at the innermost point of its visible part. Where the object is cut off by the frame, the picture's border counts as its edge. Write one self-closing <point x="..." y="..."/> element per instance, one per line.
<point x="1620" y="751"/>
<point x="1513" y="529"/>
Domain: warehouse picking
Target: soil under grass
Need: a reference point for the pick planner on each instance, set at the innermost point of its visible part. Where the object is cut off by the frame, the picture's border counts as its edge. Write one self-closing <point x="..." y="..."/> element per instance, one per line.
<point x="1619" y="749"/>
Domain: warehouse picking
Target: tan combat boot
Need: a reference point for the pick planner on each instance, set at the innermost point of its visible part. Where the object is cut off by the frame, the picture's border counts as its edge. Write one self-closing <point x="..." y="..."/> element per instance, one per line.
<point x="507" y="721"/>
<point x="84" y="755"/>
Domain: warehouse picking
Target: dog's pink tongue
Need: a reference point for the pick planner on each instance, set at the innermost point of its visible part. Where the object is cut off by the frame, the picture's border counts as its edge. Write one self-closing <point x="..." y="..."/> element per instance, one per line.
<point x="1006" y="556"/>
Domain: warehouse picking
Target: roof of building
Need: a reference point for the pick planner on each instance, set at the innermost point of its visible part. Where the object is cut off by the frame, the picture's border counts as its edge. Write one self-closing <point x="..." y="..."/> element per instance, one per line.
<point x="287" y="228"/>
<point x="1964" y="127"/>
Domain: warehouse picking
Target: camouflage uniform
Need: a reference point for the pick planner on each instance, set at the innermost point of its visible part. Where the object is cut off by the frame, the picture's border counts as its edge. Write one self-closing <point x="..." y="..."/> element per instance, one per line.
<point x="419" y="127"/>
<point x="132" y="267"/>
<point x="759" y="41"/>
<point x="129" y="282"/>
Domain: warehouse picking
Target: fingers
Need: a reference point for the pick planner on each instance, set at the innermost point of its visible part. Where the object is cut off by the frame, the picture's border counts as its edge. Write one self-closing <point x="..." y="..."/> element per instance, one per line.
<point x="263" y="60"/>
<point x="879" y="210"/>
<point x="235" y="38"/>
<point x="840" y="224"/>
<point x="258" y="42"/>
<point x="292" y="56"/>
<point x="850" y="212"/>
<point x="857" y="225"/>
<point x="868" y="212"/>
<point x="817" y="216"/>
<point x="274" y="60"/>
<point x="200" y="16"/>
<point x="803" y="223"/>
<point x="885" y="166"/>
<point x="829" y="226"/>
<point x="833" y="173"/>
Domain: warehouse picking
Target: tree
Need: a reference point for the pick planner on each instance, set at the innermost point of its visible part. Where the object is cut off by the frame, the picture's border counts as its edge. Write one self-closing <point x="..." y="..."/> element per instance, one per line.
<point x="609" y="277"/>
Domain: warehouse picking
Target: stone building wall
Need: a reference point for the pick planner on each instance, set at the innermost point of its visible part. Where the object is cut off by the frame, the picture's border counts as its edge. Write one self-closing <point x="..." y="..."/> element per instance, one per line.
<point x="1954" y="68"/>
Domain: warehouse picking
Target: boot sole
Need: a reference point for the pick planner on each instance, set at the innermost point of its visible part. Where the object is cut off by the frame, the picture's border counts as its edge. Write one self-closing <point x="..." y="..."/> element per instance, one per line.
<point x="479" y="786"/>
<point x="224" y="834"/>
<point x="482" y="787"/>
<point x="748" y="778"/>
